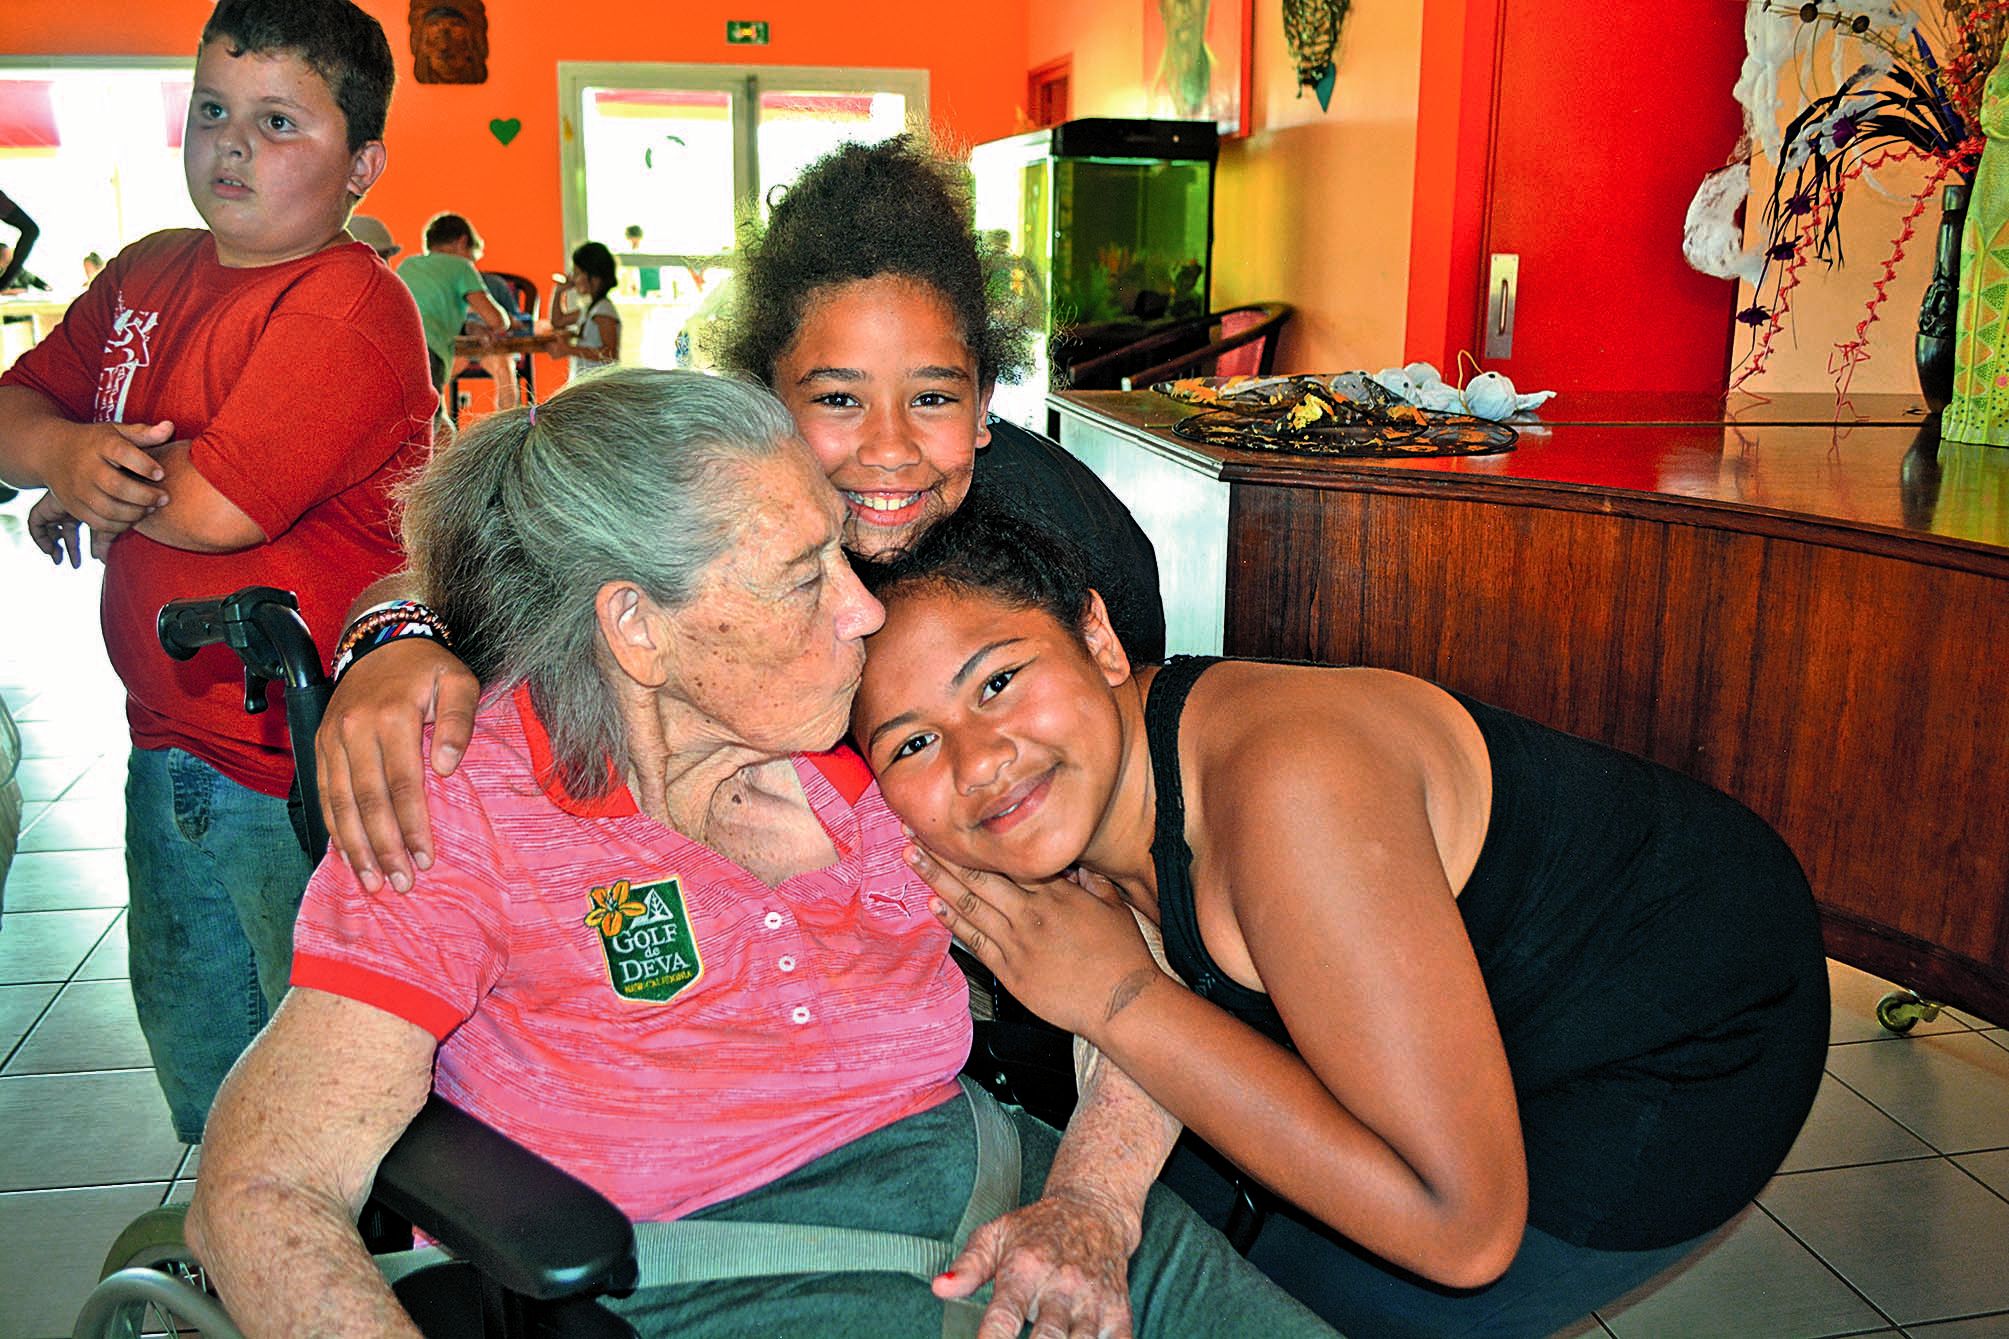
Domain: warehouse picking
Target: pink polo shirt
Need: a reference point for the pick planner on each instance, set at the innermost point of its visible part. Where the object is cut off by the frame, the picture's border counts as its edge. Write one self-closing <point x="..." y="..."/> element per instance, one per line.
<point x="632" y="1005"/>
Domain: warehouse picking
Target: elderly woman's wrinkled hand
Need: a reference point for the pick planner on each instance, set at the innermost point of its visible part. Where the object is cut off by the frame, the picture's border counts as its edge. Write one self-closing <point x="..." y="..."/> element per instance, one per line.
<point x="370" y="759"/>
<point x="1071" y="954"/>
<point x="1061" y="1264"/>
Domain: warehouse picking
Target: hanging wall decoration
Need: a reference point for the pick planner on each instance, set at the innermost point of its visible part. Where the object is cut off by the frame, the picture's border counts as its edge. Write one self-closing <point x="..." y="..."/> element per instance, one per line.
<point x="1196" y="61"/>
<point x="1311" y="30"/>
<point x="449" y="42"/>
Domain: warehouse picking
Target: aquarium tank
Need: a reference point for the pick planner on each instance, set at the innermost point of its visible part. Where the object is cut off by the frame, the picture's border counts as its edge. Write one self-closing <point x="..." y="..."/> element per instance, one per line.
<point x="1099" y="231"/>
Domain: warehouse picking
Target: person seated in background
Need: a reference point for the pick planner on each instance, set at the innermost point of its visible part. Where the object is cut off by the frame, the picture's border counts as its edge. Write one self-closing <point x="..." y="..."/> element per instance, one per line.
<point x="498" y="364"/>
<point x="14" y="256"/>
<point x="373" y="234"/>
<point x="230" y="407"/>
<point x="448" y="289"/>
<point x="23" y="281"/>
<point x="582" y="313"/>
<point x="666" y="943"/>
<point x="1610" y="977"/>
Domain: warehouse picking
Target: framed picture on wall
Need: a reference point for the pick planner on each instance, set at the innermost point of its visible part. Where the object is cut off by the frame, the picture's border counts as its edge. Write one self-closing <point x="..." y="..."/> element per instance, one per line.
<point x="1197" y="61"/>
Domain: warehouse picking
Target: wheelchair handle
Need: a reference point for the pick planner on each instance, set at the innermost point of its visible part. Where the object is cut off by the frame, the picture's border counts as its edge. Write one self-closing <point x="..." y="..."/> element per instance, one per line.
<point x="262" y="624"/>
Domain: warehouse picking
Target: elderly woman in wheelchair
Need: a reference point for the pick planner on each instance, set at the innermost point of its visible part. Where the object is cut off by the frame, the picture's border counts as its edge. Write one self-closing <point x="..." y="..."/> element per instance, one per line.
<point x="668" y="940"/>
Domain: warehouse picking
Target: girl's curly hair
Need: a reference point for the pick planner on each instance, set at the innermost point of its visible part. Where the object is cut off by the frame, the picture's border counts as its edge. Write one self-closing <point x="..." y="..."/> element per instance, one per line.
<point x="857" y="213"/>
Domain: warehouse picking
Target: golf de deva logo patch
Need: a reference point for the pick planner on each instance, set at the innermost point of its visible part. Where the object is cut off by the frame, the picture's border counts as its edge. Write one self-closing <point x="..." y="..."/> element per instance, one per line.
<point x="646" y="935"/>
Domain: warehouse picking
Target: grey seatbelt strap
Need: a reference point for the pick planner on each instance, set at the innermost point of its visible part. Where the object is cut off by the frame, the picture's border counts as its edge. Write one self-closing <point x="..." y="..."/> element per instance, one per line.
<point x="707" y="1251"/>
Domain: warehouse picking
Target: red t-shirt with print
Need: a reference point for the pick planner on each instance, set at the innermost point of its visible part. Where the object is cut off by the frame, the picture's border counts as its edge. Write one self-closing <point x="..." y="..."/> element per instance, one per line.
<point x="304" y="392"/>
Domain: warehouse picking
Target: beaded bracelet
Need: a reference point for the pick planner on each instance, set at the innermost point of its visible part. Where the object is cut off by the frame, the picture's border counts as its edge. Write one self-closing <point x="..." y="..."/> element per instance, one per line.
<point x="386" y="623"/>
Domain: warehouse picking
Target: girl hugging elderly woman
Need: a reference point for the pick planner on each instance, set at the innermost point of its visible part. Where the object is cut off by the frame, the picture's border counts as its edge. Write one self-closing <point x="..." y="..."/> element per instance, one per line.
<point x="1610" y="980"/>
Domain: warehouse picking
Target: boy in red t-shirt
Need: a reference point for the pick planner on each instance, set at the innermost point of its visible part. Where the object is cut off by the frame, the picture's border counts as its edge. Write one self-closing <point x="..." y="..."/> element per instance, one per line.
<point x="226" y="408"/>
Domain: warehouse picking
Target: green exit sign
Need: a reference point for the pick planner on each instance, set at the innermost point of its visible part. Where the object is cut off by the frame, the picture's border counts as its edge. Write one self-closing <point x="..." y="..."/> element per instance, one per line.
<point x="746" y="32"/>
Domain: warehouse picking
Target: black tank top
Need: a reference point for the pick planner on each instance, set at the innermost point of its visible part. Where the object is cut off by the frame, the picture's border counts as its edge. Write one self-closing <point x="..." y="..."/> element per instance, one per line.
<point x="1638" y="933"/>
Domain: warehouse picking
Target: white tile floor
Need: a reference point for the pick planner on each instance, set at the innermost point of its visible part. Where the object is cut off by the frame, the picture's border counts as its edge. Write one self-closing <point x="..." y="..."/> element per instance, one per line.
<point x="1890" y="1217"/>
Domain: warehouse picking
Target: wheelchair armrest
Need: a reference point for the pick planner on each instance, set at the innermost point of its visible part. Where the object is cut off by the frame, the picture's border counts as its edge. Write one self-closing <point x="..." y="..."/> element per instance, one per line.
<point x="533" y="1229"/>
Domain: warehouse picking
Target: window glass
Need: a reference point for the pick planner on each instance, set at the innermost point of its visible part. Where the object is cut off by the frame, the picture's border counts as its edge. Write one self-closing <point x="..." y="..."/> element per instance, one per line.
<point x="660" y="159"/>
<point x="797" y="128"/>
<point x="93" y="154"/>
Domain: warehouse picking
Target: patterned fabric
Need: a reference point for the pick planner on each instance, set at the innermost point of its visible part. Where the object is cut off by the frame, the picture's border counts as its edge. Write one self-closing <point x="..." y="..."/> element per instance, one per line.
<point x="634" y="1006"/>
<point x="1979" y="410"/>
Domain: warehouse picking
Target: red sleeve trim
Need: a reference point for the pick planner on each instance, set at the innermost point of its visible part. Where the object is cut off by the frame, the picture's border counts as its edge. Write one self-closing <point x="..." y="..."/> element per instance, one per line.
<point x="419" y="1007"/>
<point x="845" y="770"/>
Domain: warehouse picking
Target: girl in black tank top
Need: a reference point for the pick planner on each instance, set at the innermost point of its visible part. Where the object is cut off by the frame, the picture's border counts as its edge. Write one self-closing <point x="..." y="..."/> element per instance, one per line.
<point x="1648" y="961"/>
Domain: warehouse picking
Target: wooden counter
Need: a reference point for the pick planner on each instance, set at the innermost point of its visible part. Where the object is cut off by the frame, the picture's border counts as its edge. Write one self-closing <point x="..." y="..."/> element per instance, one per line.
<point x="1814" y="618"/>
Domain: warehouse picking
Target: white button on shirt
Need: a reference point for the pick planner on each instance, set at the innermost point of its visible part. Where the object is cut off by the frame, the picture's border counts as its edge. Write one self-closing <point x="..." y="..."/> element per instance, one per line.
<point x="800" y="1013"/>
<point x="786" y="963"/>
<point x="772" y="920"/>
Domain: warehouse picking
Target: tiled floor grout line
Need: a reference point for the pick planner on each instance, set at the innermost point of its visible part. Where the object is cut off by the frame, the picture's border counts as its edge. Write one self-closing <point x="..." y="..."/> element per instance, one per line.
<point x="1873" y="1103"/>
<point x="1889" y="1321"/>
<point x="61" y="986"/>
<point x="1923" y="1329"/>
<point x="1953" y="1157"/>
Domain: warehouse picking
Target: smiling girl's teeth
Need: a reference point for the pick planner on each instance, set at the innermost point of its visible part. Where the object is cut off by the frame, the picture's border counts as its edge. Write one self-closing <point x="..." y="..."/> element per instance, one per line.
<point x="879" y="502"/>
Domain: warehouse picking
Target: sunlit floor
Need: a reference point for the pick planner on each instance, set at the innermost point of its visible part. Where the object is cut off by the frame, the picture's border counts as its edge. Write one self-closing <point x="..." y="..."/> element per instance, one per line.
<point x="1890" y="1217"/>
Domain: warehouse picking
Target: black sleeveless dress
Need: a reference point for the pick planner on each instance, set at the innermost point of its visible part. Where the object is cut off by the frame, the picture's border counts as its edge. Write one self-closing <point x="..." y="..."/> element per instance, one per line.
<point x="1653" y="959"/>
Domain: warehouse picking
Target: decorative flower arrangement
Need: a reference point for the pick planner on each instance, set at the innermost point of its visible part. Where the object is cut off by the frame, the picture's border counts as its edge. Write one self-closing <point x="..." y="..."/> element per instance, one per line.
<point x="1887" y="97"/>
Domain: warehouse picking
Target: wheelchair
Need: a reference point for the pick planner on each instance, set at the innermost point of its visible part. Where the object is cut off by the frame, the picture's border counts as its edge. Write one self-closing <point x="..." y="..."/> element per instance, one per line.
<point x="525" y="1248"/>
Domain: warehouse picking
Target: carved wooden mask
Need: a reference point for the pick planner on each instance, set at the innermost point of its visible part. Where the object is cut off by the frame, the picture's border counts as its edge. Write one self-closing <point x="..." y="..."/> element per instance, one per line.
<point x="449" y="41"/>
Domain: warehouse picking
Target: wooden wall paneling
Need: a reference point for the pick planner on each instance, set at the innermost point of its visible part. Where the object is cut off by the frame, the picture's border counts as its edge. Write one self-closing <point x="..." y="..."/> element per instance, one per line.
<point x="1295" y="575"/>
<point x="1835" y="691"/>
<point x="1703" y="680"/>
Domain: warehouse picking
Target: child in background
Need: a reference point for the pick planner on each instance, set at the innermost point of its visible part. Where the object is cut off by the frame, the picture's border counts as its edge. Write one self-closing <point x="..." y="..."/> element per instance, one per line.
<point x="591" y="311"/>
<point x="229" y="407"/>
<point x="373" y="234"/>
<point x="448" y="289"/>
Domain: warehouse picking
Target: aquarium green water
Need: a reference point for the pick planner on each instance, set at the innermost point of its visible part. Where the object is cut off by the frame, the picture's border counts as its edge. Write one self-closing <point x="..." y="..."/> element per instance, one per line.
<point x="1129" y="240"/>
<point x="1098" y="231"/>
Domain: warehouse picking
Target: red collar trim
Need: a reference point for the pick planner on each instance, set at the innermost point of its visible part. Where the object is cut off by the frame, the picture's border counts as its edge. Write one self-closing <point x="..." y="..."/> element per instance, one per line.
<point x="841" y="767"/>
<point x="616" y="803"/>
<point x="844" y="770"/>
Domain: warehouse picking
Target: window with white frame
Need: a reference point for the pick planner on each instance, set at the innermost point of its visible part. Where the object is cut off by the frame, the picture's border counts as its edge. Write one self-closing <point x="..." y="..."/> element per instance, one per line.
<point x="663" y="163"/>
<point x="90" y="148"/>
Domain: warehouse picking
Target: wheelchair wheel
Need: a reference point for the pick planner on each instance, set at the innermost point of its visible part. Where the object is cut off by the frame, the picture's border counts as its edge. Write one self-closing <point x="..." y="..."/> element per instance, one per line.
<point x="1902" y="1010"/>
<point x="152" y="1284"/>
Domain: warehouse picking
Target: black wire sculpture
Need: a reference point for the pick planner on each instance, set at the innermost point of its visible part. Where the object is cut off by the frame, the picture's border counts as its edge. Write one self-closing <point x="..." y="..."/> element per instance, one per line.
<point x="1344" y="416"/>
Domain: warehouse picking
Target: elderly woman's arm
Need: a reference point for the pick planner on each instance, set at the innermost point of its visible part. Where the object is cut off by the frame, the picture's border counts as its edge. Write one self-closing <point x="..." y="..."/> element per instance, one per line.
<point x="1066" y="1256"/>
<point x="291" y="1149"/>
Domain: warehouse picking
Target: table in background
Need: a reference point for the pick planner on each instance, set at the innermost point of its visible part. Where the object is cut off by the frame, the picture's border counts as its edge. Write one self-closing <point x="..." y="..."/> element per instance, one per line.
<point x="1813" y="617"/>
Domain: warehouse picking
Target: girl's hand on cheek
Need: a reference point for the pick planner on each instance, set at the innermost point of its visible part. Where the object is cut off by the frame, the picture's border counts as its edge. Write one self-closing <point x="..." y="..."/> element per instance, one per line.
<point x="1067" y="954"/>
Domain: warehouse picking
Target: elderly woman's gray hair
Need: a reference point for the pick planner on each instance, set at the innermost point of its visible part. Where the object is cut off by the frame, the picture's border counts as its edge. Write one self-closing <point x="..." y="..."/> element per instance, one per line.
<point x="625" y="475"/>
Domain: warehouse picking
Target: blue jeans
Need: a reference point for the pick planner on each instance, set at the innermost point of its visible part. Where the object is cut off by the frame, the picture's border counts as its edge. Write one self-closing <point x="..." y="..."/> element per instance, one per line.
<point x="1549" y="1284"/>
<point x="216" y="876"/>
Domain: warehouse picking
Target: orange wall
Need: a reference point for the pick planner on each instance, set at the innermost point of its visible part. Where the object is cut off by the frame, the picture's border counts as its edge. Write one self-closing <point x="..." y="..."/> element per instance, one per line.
<point x="442" y="155"/>
<point x="1312" y="207"/>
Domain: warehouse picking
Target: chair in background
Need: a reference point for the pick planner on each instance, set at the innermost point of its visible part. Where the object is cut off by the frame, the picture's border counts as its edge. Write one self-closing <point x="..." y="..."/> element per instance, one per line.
<point x="1239" y="341"/>
<point x="526" y="301"/>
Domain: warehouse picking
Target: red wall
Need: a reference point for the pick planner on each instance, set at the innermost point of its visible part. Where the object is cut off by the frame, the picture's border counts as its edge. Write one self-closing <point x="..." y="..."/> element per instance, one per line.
<point x="442" y="155"/>
<point x="1574" y="136"/>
